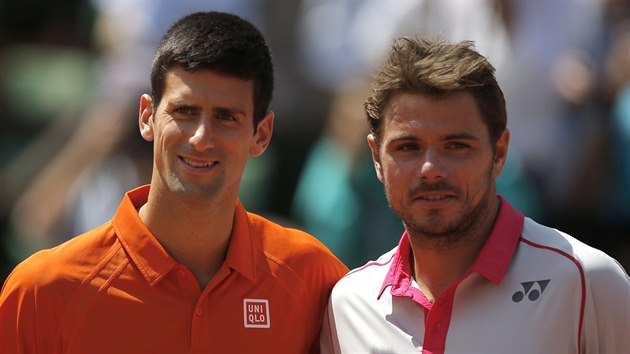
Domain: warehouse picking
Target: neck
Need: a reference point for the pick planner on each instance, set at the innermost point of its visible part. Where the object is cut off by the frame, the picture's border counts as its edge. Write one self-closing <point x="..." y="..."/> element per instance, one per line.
<point x="439" y="263"/>
<point x="196" y="235"/>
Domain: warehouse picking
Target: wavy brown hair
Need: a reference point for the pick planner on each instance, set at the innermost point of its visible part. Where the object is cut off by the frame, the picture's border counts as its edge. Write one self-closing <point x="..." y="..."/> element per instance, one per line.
<point x="438" y="69"/>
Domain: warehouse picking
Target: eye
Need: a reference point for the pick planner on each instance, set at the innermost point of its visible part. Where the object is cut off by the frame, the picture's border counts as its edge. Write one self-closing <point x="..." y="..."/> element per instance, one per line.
<point x="456" y="145"/>
<point x="407" y="147"/>
<point x="186" y="110"/>
<point x="226" y="116"/>
<point x="403" y="146"/>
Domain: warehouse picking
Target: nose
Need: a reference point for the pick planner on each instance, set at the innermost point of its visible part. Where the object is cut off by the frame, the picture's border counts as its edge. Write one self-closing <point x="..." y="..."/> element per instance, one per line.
<point x="432" y="166"/>
<point x="202" y="138"/>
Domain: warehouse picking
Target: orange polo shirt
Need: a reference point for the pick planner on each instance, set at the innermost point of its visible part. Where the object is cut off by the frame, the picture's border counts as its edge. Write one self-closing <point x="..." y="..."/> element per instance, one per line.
<point x="115" y="289"/>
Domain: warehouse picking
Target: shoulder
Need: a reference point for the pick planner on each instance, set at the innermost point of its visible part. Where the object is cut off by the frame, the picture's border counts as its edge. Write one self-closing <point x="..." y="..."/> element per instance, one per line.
<point x="288" y="244"/>
<point x="596" y="266"/>
<point x="297" y="262"/>
<point x="380" y="266"/>
<point x="63" y="266"/>
<point x="588" y="275"/>
<point x="366" y="280"/>
<point x="292" y="251"/>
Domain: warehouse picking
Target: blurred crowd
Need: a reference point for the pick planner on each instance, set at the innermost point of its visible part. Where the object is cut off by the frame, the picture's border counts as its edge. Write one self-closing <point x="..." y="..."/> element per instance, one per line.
<point x="72" y="71"/>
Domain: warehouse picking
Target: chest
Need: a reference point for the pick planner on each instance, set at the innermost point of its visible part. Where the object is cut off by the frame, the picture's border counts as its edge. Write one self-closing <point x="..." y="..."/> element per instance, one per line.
<point x="234" y="316"/>
<point x="535" y="312"/>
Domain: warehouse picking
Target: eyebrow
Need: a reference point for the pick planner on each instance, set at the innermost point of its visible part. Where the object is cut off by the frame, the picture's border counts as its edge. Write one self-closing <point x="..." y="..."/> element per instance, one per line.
<point x="229" y="110"/>
<point x="459" y="136"/>
<point x="403" y="138"/>
<point x="446" y="137"/>
<point x="180" y="101"/>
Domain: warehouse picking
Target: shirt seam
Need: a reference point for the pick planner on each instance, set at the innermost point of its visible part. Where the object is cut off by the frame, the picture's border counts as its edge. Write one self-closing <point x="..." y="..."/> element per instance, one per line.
<point x="580" y="269"/>
<point x="88" y="280"/>
<point x="296" y="273"/>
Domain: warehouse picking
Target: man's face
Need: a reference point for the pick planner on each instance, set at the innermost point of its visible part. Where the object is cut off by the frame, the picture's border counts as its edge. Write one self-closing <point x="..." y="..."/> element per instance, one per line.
<point x="203" y="133"/>
<point x="437" y="163"/>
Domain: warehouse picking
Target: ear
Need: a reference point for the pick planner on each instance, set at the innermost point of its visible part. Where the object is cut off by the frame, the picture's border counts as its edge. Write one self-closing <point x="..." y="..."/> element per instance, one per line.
<point x="500" y="155"/>
<point x="145" y="117"/>
<point x="375" y="157"/>
<point x="262" y="137"/>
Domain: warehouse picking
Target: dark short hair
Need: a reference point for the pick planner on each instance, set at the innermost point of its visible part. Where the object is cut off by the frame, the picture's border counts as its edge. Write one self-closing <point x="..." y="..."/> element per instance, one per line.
<point x="437" y="68"/>
<point x="221" y="42"/>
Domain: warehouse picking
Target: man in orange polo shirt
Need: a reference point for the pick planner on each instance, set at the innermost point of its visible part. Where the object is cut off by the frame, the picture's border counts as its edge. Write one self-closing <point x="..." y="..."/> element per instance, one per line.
<point x="182" y="267"/>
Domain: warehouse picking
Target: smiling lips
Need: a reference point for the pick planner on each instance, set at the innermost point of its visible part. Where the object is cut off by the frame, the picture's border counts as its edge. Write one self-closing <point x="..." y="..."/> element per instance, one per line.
<point x="198" y="164"/>
<point x="437" y="192"/>
<point x="433" y="197"/>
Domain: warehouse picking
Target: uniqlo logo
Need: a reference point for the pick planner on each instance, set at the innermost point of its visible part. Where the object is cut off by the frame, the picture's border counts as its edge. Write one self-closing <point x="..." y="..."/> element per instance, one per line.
<point x="256" y="313"/>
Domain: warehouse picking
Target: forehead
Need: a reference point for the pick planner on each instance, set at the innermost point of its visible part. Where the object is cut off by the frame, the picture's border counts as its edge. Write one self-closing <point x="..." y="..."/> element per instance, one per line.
<point x="208" y="86"/>
<point x="425" y="114"/>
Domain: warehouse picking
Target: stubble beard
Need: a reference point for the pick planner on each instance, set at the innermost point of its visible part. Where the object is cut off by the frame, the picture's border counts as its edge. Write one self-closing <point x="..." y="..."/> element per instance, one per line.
<point x="191" y="190"/>
<point x="436" y="231"/>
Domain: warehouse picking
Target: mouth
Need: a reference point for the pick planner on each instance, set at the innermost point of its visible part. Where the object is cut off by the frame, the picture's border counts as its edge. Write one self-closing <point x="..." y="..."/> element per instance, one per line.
<point x="197" y="164"/>
<point x="434" y="197"/>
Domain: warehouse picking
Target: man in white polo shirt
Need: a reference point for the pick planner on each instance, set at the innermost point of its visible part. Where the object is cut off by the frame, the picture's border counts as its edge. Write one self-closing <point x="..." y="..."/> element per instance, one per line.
<point x="471" y="274"/>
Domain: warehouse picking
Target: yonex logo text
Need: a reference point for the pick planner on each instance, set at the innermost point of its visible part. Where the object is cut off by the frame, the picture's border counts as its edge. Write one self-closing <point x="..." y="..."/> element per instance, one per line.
<point x="256" y="313"/>
<point x="530" y="291"/>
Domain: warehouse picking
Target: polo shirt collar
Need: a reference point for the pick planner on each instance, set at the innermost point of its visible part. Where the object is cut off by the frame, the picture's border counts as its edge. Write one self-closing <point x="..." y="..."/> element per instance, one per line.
<point x="241" y="255"/>
<point x="143" y="248"/>
<point x="152" y="260"/>
<point x="492" y="261"/>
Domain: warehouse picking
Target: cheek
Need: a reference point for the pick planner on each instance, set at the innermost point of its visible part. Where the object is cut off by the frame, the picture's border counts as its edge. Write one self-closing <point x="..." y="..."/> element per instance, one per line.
<point x="396" y="181"/>
<point x="479" y="181"/>
<point x="169" y="134"/>
<point x="159" y="143"/>
<point x="402" y="174"/>
<point x="164" y="142"/>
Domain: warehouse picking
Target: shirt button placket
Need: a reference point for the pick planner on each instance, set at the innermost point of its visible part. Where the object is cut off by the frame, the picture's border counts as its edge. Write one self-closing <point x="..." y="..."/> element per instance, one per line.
<point x="197" y="341"/>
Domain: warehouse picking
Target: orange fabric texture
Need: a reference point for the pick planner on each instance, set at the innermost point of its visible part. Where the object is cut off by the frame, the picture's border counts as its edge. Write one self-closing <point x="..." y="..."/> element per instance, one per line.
<point x="115" y="289"/>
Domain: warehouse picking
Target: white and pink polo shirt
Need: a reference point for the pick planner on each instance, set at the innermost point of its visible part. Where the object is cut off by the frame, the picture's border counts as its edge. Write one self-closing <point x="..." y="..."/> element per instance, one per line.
<point x="532" y="289"/>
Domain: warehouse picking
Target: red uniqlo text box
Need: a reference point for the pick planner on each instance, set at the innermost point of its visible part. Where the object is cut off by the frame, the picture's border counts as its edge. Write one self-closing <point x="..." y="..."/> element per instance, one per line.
<point x="256" y="313"/>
